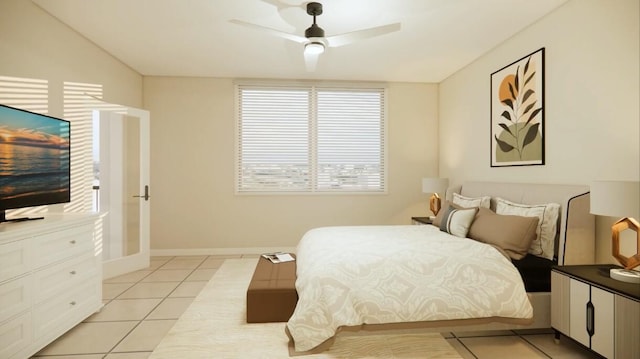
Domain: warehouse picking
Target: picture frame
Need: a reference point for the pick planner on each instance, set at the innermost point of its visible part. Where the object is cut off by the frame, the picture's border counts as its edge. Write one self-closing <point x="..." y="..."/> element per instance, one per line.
<point x="517" y="112"/>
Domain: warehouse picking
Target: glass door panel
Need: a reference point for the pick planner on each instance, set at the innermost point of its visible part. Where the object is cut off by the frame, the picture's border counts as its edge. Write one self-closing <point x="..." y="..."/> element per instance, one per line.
<point x="123" y="185"/>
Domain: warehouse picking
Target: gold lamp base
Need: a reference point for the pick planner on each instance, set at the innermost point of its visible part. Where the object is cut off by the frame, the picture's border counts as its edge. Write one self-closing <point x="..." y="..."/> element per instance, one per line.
<point x="619" y="226"/>
<point x="435" y="204"/>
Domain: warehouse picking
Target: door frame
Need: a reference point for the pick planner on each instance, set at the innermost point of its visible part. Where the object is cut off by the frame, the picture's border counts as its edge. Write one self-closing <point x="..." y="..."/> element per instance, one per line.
<point x="117" y="266"/>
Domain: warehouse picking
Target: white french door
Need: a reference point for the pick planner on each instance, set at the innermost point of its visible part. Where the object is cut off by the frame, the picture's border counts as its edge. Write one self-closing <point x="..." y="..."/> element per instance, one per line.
<point x="123" y="186"/>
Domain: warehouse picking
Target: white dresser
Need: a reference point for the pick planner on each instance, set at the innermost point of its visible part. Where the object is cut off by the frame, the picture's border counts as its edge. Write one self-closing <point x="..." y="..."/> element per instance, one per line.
<point x="50" y="280"/>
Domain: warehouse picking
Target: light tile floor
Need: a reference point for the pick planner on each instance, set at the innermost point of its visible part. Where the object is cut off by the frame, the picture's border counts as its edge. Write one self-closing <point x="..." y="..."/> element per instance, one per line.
<point x="139" y="309"/>
<point x="142" y="306"/>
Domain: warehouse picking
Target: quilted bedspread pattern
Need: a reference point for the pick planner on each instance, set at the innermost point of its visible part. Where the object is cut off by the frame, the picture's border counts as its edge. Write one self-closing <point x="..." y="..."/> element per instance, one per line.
<point x="349" y="276"/>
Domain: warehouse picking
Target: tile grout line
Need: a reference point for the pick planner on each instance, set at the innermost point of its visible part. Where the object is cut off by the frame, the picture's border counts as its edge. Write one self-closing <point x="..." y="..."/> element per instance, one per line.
<point x="463" y="345"/>
<point x="161" y="301"/>
<point x="535" y="346"/>
<point x="139" y="321"/>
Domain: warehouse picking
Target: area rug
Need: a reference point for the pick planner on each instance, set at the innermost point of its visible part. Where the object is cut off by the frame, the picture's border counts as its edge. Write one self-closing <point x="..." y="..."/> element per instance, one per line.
<point x="214" y="326"/>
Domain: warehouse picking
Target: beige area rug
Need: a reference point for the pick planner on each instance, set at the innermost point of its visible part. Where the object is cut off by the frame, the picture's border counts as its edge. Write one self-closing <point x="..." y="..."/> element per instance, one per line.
<point x="214" y="326"/>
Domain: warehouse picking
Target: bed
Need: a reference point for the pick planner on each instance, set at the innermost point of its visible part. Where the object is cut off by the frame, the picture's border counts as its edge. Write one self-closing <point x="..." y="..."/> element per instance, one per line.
<point x="363" y="278"/>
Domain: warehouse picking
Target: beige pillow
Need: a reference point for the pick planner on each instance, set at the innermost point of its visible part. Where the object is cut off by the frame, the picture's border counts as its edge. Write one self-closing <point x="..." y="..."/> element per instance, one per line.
<point x="513" y="234"/>
<point x="468" y="202"/>
<point x="547" y="214"/>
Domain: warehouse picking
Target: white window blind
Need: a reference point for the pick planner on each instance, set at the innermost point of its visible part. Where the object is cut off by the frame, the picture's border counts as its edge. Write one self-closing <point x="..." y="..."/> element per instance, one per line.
<point x="310" y="139"/>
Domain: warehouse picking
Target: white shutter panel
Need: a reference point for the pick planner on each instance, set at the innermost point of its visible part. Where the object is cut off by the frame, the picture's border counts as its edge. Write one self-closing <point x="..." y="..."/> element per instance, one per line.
<point x="273" y="143"/>
<point x="350" y="140"/>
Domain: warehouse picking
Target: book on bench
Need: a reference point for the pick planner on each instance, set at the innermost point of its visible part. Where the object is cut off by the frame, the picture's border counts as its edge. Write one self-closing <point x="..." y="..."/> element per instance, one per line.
<point x="278" y="257"/>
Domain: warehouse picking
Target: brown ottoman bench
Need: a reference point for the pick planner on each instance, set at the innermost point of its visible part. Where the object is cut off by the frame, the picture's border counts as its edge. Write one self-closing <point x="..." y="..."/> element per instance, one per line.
<point x="272" y="296"/>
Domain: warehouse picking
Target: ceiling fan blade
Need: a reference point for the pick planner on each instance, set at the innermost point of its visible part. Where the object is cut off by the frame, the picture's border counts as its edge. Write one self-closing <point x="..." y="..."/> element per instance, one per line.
<point x="285" y="35"/>
<point x="279" y="4"/>
<point x="345" y="39"/>
<point x="311" y="60"/>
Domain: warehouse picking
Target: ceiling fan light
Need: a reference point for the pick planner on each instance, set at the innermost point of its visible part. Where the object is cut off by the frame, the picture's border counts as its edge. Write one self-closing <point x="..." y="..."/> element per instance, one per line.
<point x="314" y="48"/>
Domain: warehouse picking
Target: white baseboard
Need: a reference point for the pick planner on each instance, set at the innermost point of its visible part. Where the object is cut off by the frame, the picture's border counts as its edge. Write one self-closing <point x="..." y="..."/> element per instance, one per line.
<point x="219" y="251"/>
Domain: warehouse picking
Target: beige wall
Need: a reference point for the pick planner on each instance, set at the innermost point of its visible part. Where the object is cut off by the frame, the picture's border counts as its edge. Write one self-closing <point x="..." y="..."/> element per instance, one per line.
<point x="192" y="166"/>
<point x="34" y="44"/>
<point x="591" y="102"/>
<point x="592" y="125"/>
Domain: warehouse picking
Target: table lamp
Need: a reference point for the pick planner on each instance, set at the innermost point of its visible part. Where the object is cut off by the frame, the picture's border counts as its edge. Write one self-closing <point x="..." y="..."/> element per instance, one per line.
<point x="437" y="187"/>
<point x="619" y="199"/>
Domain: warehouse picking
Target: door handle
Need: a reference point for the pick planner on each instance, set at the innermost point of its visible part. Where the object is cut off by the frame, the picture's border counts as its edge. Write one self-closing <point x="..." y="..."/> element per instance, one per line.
<point x="146" y="195"/>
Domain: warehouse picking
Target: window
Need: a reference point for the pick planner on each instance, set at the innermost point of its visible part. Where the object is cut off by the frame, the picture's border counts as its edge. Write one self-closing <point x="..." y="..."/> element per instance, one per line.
<point x="310" y="139"/>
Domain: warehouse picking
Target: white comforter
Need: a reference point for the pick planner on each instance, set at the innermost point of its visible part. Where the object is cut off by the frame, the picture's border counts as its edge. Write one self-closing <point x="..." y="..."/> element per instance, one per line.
<point x="390" y="274"/>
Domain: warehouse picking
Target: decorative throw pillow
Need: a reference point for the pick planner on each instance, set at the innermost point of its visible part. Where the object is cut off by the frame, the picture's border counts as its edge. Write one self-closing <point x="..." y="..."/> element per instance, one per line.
<point x="512" y="234"/>
<point x="468" y="202"/>
<point x="445" y="206"/>
<point x="457" y="221"/>
<point x="546" y="231"/>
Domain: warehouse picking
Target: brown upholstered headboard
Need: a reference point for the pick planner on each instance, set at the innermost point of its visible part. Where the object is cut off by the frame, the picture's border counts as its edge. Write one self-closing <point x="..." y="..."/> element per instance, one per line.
<point x="575" y="243"/>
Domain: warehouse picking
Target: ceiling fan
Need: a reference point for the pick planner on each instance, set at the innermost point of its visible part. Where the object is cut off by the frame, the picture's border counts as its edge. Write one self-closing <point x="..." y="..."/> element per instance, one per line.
<point x="314" y="40"/>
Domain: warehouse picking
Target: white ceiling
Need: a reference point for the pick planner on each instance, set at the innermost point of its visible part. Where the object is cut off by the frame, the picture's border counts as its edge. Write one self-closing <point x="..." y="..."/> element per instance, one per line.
<point x="195" y="37"/>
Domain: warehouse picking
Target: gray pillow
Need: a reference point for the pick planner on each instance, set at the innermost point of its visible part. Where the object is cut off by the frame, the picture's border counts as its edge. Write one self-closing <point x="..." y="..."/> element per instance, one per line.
<point x="445" y="208"/>
<point x="457" y="221"/>
<point x="513" y="234"/>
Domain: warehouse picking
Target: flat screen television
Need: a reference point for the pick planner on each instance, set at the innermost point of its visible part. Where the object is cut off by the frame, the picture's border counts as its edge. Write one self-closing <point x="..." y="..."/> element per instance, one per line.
<point x="34" y="160"/>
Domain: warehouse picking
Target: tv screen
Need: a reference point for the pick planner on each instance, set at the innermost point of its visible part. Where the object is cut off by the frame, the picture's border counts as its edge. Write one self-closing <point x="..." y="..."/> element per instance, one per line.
<point x="34" y="159"/>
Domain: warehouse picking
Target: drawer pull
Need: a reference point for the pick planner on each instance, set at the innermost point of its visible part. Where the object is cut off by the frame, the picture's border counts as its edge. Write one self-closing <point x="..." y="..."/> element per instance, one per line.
<point x="73" y="303"/>
<point x="590" y="319"/>
<point x="72" y="272"/>
<point x="73" y="241"/>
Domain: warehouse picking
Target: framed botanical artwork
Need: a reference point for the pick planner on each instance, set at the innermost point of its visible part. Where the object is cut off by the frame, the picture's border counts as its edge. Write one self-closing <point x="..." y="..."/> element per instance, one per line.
<point x="517" y="112"/>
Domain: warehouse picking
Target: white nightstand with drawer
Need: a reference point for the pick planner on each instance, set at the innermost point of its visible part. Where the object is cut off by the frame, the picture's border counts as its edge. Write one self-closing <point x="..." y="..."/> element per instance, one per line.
<point x="596" y="311"/>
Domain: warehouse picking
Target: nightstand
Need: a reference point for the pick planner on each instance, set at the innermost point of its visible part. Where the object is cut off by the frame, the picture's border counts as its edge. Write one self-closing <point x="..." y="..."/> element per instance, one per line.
<point x="596" y="311"/>
<point x="421" y="220"/>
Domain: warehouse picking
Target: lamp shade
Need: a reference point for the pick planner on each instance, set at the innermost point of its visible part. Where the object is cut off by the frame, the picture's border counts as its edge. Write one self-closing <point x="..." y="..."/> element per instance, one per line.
<point x="435" y="185"/>
<point x="615" y="198"/>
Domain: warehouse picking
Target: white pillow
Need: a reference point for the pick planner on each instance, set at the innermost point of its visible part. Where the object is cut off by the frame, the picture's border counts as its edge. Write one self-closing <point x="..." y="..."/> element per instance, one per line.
<point x="468" y="202"/>
<point x="542" y="245"/>
<point x="457" y="221"/>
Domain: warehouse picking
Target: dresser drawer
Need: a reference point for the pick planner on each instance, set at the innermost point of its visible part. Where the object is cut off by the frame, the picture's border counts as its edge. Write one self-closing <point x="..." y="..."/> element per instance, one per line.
<point x="15" y="296"/>
<point x="60" y="245"/>
<point x="59" y="278"/>
<point x="15" y="335"/>
<point x="14" y="257"/>
<point x="68" y="308"/>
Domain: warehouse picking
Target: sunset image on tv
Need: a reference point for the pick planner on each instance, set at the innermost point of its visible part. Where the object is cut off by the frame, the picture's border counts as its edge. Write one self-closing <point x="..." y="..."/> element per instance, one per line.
<point x="34" y="158"/>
